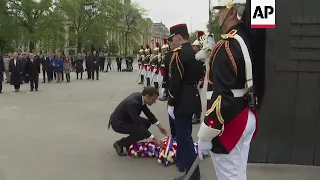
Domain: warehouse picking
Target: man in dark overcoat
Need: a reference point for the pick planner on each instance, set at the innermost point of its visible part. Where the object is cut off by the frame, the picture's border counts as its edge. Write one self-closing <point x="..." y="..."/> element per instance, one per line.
<point x="89" y="64"/>
<point x="32" y="71"/>
<point x="45" y="61"/>
<point x="95" y="65"/>
<point x="1" y="72"/>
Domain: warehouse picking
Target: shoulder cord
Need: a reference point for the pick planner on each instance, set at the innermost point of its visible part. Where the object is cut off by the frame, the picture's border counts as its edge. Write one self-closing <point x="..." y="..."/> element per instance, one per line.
<point x="214" y="53"/>
<point x="175" y="57"/>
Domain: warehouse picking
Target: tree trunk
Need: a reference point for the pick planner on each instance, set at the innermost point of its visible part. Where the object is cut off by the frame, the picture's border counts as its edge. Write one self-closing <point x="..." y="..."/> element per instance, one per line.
<point x="79" y="45"/>
<point x="31" y="46"/>
<point x="125" y="44"/>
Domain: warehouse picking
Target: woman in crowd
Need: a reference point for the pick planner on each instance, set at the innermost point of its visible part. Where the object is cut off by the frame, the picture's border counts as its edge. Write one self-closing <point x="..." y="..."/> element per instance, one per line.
<point x="67" y="68"/>
<point x="58" y="64"/>
<point x="79" y="65"/>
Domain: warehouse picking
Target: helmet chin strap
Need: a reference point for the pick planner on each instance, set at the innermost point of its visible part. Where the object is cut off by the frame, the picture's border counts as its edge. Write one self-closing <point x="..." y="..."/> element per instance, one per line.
<point x="225" y="17"/>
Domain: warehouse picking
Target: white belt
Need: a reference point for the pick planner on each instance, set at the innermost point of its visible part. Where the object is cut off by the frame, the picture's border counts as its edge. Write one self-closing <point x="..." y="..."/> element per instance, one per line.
<point x="162" y="65"/>
<point x="236" y="93"/>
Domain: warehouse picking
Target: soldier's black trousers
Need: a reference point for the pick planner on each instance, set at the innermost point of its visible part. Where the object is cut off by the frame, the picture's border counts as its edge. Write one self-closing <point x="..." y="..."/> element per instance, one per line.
<point x="0" y="86"/>
<point x="136" y="132"/>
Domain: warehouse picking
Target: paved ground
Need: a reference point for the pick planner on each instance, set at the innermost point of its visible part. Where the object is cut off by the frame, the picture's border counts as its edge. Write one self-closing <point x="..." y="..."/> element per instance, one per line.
<point x="60" y="133"/>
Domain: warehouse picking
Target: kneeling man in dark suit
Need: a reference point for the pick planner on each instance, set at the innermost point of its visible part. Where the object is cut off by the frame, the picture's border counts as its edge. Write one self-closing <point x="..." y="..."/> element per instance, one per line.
<point x="126" y="119"/>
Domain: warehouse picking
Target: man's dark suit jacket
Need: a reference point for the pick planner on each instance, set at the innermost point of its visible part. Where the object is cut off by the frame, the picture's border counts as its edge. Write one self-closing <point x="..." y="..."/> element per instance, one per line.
<point x="129" y="110"/>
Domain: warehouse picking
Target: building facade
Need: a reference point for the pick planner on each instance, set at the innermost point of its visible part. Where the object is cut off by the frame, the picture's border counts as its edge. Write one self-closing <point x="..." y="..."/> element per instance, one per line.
<point x="159" y="32"/>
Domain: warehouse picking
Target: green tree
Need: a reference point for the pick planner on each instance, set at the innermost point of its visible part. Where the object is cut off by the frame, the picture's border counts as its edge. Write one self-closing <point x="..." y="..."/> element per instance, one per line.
<point x="27" y="14"/>
<point x="9" y="31"/>
<point x="193" y="36"/>
<point x="215" y="29"/>
<point x="131" y="24"/>
<point x="113" y="47"/>
<point x="51" y="31"/>
<point x="93" y="28"/>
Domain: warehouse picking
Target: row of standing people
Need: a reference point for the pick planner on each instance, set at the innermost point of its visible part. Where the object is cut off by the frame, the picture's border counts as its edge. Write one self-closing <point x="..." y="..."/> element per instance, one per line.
<point x="27" y="67"/>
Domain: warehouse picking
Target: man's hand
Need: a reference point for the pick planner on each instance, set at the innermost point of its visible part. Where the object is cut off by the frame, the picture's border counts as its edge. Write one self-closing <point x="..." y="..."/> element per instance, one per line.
<point x="162" y="130"/>
<point x="158" y="142"/>
<point x="204" y="148"/>
<point x="171" y="112"/>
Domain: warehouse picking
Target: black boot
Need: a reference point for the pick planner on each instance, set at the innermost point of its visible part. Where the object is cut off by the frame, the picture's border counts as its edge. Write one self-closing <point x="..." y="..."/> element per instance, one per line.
<point x="141" y="79"/>
<point x="156" y="85"/>
<point x="148" y="81"/>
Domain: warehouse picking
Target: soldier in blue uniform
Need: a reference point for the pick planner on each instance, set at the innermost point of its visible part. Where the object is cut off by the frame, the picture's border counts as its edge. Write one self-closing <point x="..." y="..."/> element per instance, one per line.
<point x="184" y="99"/>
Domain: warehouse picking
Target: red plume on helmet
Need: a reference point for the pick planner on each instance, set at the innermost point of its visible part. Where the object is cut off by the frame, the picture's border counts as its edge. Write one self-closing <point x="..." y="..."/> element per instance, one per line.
<point x="200" y="33"/>
<point x="147" y="46"/>
<point x="165" y="41"/>
<point x="157" y="44"/>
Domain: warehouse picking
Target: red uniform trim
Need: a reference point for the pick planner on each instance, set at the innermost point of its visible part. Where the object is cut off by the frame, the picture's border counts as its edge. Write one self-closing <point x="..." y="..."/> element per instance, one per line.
<point x="234" y="129"/>
<point x="157" y="71"/>
<point x="161" y="71"/>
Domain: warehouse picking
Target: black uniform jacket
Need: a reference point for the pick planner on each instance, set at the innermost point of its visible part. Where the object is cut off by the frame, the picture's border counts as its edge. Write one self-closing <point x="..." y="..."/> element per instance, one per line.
<point x="227" y="72"/>
<point x="129" y="110"/>
<point x="184" y="73"/>
<point x="167" y="59"/>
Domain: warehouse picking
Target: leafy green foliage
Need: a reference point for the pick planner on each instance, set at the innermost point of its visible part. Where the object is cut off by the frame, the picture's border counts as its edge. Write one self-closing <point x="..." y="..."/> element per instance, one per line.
<point x="50" y="25"/>
<point x="193" y="36"/>
<point x="131" y="24"/>
<point x="215" y="29"/>
<point x="112" y="47"/>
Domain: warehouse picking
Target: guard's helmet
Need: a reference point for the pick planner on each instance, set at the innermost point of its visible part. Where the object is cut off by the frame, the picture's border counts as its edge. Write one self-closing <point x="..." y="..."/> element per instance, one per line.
<point x="157" y="47"/>
<point x="147" y="50"/>
<point x="141" y="49"/>
<point x="229" y="4"/>
<point x="165" y="44"/>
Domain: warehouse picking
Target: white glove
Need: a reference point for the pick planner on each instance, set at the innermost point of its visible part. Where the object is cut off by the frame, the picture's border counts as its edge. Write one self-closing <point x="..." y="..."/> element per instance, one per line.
<point x="171" y="111"/>
<point x="204" y="148"/>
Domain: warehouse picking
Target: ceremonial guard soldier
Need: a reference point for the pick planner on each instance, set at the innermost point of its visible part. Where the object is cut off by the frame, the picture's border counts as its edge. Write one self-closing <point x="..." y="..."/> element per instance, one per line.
<point x="141" y="56"/>
<point x="155" y="65"/>
<point x="230" y="122"/>
<point x="146" y="63"/>
<point x="197" y="45"/>
<point x="184" y="99"/>
<point x="164" y="68"/>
